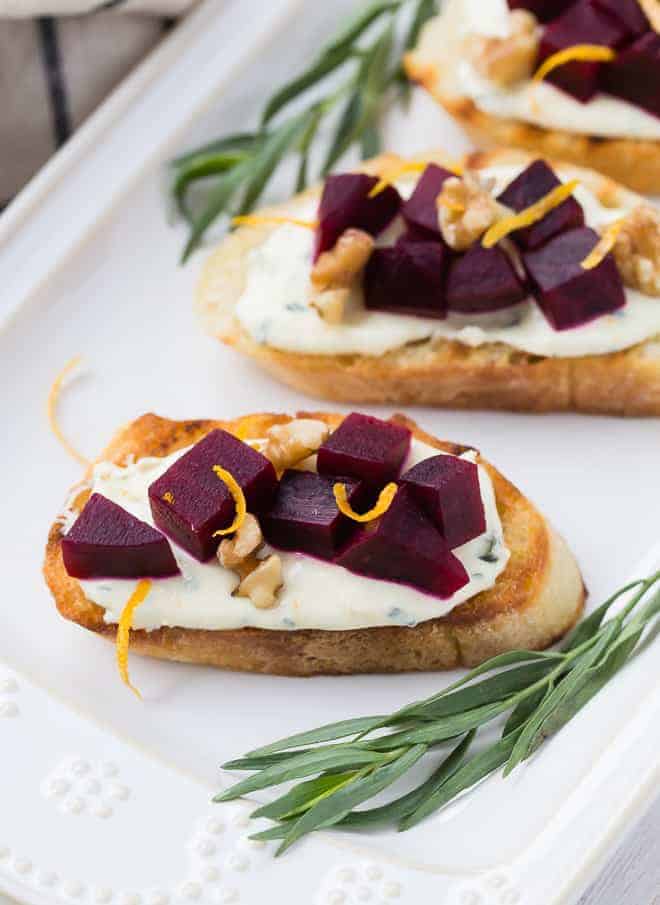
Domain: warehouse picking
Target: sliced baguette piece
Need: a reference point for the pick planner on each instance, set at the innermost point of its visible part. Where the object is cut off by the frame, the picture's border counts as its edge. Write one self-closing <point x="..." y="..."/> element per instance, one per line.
<point x="440" y="372"/>
<point x="631" y="161"/>
<point x="538" y="597"/>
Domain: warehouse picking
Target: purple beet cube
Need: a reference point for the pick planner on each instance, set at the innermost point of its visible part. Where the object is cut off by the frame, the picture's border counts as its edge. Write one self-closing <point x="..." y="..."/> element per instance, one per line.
<point x="483" y="280"/>
<point x="635" y="74"/>
<point x="582" y="23"/>
<point x="106" y="541"/>
<point x="345" y="203"/>
<point x="420" y="210"/>
<point x="544" y="10"/>
<point x="628" y="13"/>
<point x="567" y="294"/>
<point x="406" y="547"/>
<point x="447" y="489"/>
<point x="408" y="278"/>
<point x="305" y="516"/>
<point x="190" y="502"/>
<point x="365" y="448"/>
<point x="532" y="184"/>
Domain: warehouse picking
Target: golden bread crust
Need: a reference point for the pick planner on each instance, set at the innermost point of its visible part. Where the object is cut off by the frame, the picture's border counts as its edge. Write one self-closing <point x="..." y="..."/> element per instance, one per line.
<point x="537" y="598"/>
<point x="440" y="372"/>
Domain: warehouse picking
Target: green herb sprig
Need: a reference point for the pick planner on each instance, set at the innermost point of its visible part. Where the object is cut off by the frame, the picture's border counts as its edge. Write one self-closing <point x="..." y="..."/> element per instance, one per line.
<point x="540" y="692"/>
<point x="364" y="59"/>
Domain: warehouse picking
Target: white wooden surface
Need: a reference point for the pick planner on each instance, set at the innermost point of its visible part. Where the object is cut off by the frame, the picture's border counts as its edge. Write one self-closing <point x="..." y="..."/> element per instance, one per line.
<point x="632" y="875"/>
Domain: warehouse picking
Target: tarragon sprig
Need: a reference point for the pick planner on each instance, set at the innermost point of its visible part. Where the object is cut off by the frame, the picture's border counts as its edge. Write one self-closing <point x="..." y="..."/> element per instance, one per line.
<point x="346" y="764"/>
<point x="362" y="63"/>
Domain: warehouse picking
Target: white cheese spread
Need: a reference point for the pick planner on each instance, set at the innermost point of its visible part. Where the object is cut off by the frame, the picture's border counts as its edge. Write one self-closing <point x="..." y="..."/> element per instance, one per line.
<point x="315" y="595"/>
<point x="274" y="307"/>
<point x="541" y="104"/>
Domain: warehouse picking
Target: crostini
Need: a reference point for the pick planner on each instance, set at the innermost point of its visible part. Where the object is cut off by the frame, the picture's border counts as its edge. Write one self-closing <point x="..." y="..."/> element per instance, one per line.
<point x="308" y="544"/>
<point x="499" y="281"/>
<point x="572" y="79"/>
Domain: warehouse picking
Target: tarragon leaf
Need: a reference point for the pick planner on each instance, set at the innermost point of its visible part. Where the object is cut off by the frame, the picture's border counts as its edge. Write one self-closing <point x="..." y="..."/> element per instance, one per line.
<point x="274" y="148"/>
<point x="532" y="732"/>
<point x="301" y="765"/>
<point x="406" y="804"/>
<point x="326" y="733"/>
<point x="588" y="627"/>
<point x="473" y="771"/>
<point x="324" y="65"/>
<point x="441" y="729"/>
<point x="303" y="796"/>
<point x="341" y="802"/>
<point x="359" y="24"/>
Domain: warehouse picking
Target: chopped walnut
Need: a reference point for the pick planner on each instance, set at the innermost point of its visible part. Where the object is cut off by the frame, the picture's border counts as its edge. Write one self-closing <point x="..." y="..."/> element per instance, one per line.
<point x="344" y="262"/>
<point x="296" y="440"/>
<point x="263" y="583"/>
<point x="510" y="59"/>
<point x="330" y="304"/>
<point x="336" y="271"/>
<point x="466" y="209"/>
<point x="234" y="551"/>
<point x="637" y="250"/>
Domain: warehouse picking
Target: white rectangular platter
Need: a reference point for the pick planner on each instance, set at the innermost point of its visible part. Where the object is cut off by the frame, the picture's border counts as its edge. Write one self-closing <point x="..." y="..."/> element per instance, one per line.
<point x="106" y="799"/>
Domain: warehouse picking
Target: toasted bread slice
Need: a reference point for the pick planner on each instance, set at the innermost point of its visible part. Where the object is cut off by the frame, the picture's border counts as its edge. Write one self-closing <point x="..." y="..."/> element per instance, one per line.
<point x="537" y="598"/>
<point x="438" y="371"/>
<point x="634" y="162"/>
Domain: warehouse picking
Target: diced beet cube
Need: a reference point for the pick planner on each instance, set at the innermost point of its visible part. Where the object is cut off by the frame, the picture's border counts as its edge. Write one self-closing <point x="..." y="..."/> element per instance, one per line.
<point x="628" y="13"/>
<point x="365" y="448"/>
<point x="544" y="10"/>
<point x="190" y="502"/>
<point x="536" y="181"/>
<point x="447" y="489"/>
<point x="420" y="210"/>
<point x="567" y="294"/>
<point x="406" y="547"/>
<point x="408" y="278"/>
<point x="635" y="74"/>
<point x="482" y="280"/>
<point x="305" y="516"/>
<point x="106" y="541"/>
<point x="582" y="23"/>
<point x="345" y="203"/>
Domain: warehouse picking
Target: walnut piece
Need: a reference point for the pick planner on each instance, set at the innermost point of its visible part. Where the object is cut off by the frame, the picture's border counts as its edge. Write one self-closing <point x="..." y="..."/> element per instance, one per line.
<point x="507" y="60"/>
<point x="330" y="304"/>
<point x="637" y="250"/>
<point x="234" y="551"/>
<point x="263" y="583"/>
<point x="289" y="443"/>
<point x="466" y="209"/>
<point x="340" y="266"/>
<point x="336" y="271"/>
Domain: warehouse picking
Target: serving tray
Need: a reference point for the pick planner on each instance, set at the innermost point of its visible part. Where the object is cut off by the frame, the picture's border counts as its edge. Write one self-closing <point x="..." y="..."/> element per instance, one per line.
<point x="106" y="799"/>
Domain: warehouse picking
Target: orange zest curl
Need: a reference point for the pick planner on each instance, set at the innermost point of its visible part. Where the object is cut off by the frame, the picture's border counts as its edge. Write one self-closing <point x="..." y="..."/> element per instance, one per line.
<point x="124" y="631"/>
<point x="582" y="53"/>
<point x="265" y="219"/>
<point x="529" y="215"/>
<point x="53" y="399"/>
<point x="382" y="505"/>
<point x="409" y="166"/>
<point x="239" y="498"/>
<point x="604" y="246"/>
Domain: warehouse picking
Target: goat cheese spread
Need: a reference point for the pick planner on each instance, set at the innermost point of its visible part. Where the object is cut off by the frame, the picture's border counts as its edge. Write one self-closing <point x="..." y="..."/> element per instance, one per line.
<point x="274" y="307"/>
<point x="315" y="595"/>
<point x="542" y="104"/>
